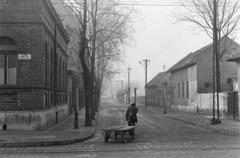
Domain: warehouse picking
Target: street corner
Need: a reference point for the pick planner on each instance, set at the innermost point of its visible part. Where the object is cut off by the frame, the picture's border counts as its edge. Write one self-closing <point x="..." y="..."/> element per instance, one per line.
<point x="62" y="138"/>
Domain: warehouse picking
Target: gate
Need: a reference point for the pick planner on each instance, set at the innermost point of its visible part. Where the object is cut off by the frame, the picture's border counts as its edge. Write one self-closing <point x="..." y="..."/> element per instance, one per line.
<point x="233" y="104"/>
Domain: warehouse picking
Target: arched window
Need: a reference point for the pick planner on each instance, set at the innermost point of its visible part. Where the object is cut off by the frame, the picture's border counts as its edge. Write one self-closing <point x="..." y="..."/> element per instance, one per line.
<point x="8" y="61"/>
<point x="46" y="64"/>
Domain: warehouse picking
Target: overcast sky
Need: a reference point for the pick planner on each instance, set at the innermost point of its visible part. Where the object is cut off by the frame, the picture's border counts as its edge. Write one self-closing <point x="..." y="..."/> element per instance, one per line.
<point x="161" y="39"/>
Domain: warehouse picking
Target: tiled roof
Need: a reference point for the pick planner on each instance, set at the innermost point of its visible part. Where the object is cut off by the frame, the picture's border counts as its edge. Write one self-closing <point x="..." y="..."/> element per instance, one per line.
<point x="189" y="59"/>
<point x="159" y="79"/>
<point x="233" y="49"/>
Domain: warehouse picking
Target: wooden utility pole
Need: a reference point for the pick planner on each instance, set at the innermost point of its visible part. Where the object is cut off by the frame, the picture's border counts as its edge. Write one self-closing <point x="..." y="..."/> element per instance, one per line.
<point x="135" y="95"/>
<point x="165" y="97"/>
<point x="122" y="93"/>
<point x="164" y="68"/>
<point x="145" y="62"/>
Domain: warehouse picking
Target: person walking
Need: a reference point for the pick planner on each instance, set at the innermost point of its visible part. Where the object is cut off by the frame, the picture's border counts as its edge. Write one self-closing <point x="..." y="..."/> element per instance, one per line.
<point x="131" y="115"/>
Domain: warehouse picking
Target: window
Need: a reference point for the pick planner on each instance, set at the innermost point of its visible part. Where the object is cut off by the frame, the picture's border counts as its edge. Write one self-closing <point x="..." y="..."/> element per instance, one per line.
<point x="2" y="69"/>
<point x="59" y="72"/>
<point x="8" y="61"/>
<point x="11" y="68"/>
<point x="182" y="89"/>
<point x="52" y="102"/>
<point x="229" y="81"/>
<point x="8" y="68"/>
<point x="51" y="69"/>
<point x="179" y="90"/>
<point x="46" y="64"/>
<point x="207" y="84"/>
<point x="187" y="89"/>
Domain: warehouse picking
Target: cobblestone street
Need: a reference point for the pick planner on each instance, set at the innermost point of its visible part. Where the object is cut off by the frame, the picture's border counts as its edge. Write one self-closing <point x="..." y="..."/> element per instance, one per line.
<point x="156" y="136"/>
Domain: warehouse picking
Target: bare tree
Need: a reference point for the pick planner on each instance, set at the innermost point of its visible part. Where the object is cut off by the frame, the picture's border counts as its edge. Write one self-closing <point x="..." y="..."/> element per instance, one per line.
<point x="200" y="12"/>
<point x="101" y="34"/>
<point x="219" y="19"/>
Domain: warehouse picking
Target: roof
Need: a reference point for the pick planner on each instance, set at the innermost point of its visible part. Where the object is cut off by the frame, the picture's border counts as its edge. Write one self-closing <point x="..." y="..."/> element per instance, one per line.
<point x="189" y="59"/>
<point x="192" y="58"/>
<point x="159" y="79"/>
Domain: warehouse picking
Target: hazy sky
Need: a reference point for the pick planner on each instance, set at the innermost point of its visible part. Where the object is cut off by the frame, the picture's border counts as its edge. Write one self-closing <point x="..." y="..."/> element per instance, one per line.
<point x="161" y="39"/>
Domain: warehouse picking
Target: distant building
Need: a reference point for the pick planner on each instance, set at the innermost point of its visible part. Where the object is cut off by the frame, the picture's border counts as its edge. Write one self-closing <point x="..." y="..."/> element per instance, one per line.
<point x="33" y="63"/>
<point x="158" y="90"/>
<point x="193" y="74"/>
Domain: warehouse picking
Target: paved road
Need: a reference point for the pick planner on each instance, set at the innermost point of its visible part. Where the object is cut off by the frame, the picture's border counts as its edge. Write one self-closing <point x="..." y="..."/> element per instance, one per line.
<point x="156" y="136"/>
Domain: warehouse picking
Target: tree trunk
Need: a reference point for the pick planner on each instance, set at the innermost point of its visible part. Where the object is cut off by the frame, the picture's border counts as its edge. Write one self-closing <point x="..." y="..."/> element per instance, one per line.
<point x="87" y="74"/>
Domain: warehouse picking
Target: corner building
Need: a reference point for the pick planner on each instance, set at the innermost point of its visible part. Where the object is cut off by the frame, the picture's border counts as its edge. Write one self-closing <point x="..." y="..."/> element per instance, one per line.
<point x="33" y="63"/>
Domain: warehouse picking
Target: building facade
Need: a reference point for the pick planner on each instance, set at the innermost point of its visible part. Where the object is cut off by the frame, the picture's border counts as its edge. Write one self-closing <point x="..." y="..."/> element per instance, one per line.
<point x="33" y="63"/>
<point x="158" y="90"/>
<point x="192" y="77"/>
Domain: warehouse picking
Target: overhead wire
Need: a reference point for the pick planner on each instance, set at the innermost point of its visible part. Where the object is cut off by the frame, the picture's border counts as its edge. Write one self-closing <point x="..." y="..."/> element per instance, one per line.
<point x="142" y="3"/>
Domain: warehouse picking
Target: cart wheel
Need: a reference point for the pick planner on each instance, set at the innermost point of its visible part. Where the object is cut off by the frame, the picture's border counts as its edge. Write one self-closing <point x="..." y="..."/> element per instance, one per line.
<point x="106" y="138"/>
<point x="132" y="136"/>
<point x="115" y="135"/>
<point x="125" y="138"/>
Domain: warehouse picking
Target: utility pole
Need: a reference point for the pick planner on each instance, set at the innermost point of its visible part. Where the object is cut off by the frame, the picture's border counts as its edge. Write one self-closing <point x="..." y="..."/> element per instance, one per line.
<point x="122" y="93"/>
<point x="164" y="68"/>
<point x="165" y="97"/>
<point x="145" y="62"/>
<point x="128" y="90"/>
<point x="135" y="95"/>
<point x="216" y="57"/>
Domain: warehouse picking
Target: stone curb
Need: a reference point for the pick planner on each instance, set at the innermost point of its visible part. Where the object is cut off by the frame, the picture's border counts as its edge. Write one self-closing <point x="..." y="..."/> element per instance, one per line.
<point x="46" y="143"/>
<point x="222" y="131"/>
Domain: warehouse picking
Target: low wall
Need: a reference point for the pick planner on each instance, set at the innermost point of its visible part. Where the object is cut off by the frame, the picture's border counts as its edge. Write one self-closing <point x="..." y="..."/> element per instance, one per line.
<point x="38" y="120"/>
<point x="204" y="103"/>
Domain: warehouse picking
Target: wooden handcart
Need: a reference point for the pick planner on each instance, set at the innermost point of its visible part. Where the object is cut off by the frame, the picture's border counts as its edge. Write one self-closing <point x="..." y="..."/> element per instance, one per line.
<point x="122" y="133"/>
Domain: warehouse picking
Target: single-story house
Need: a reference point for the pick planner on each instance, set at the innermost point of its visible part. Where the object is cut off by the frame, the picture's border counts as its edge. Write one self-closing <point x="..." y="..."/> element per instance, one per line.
<point x="193" y="75"/>
<point x="158" y="90"/>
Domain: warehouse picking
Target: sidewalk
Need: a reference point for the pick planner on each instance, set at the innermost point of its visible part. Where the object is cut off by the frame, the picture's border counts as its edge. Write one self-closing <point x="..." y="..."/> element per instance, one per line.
<point x="228" y="126"/>
<point x="61" y="134"/>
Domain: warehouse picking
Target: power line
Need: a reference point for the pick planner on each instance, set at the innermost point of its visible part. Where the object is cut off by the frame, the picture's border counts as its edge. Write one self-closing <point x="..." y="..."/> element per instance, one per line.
<point x="161" y="4"/>
<point x="151" y="4"/>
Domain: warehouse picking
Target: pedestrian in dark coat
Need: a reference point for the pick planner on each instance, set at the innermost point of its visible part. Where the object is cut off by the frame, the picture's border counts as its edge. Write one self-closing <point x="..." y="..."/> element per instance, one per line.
<point x="131" y="115"/>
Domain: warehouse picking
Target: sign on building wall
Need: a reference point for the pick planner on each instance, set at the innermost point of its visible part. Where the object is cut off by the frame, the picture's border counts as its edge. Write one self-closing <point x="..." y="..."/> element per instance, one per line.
<point x="24" y="57"/>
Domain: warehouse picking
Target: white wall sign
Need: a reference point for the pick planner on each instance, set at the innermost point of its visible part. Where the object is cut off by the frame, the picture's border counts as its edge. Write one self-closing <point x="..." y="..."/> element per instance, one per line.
<point x="24" y="57"/>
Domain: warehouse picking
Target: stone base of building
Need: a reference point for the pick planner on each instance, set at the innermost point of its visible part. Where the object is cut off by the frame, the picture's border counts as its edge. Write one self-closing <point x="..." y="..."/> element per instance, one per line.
<point x="37" y="120"/>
